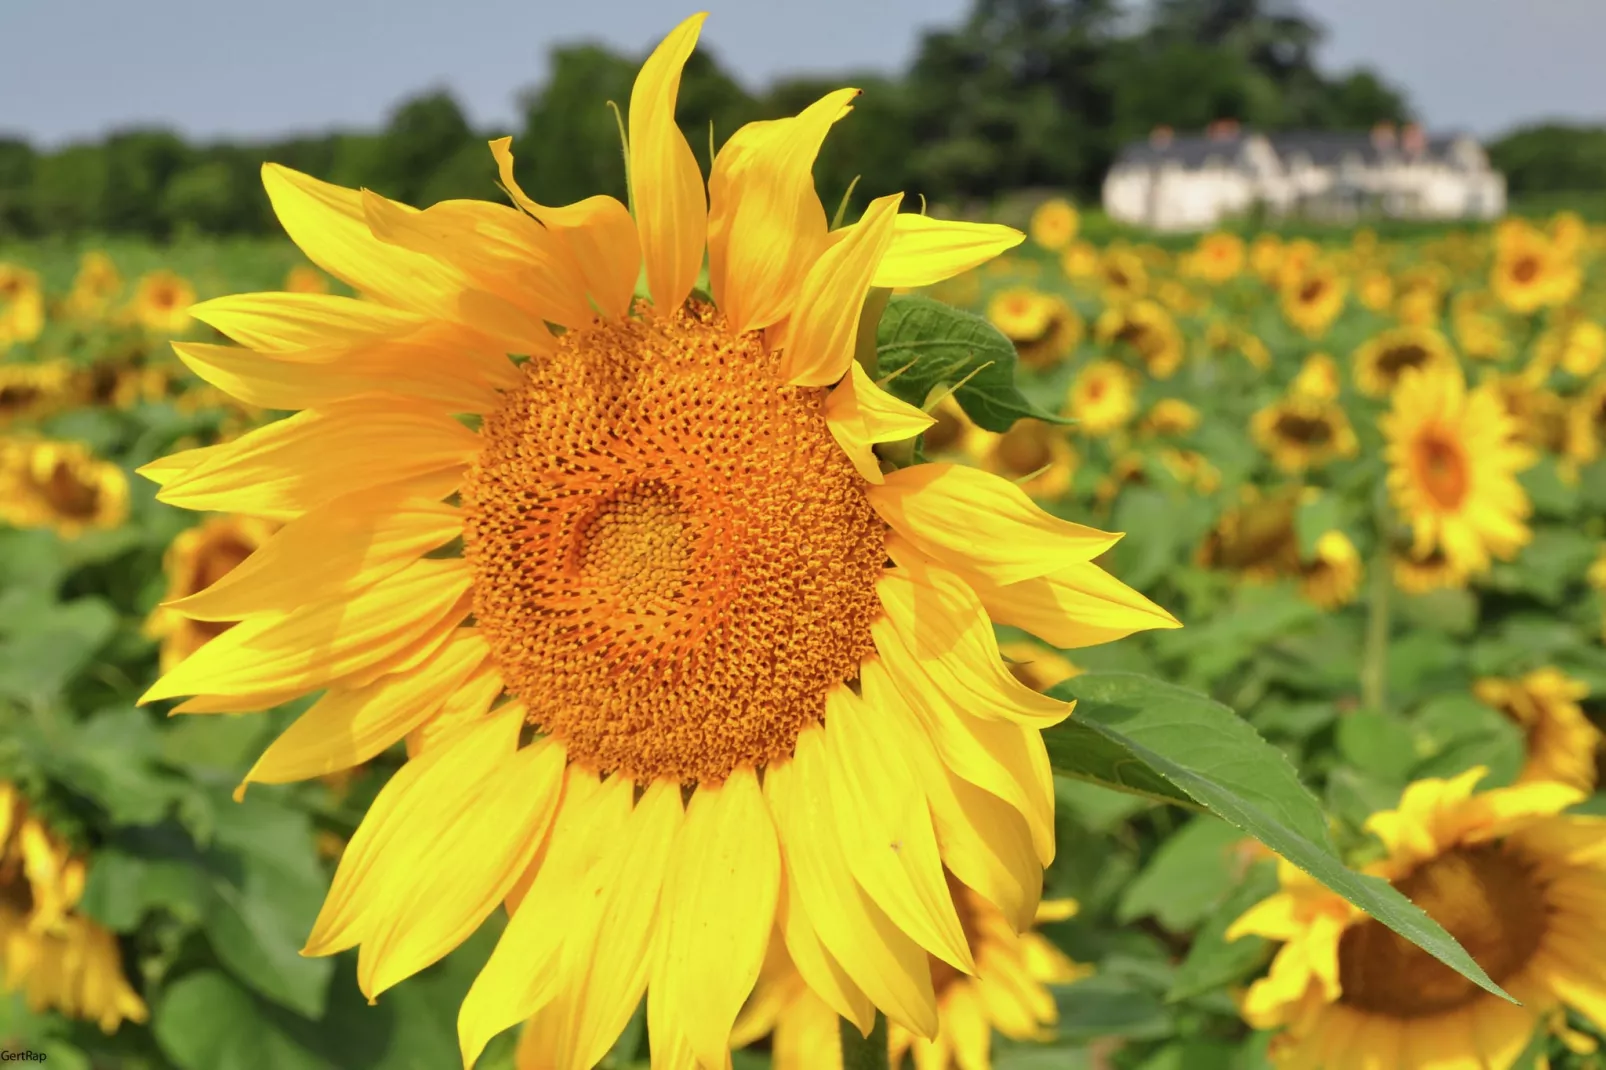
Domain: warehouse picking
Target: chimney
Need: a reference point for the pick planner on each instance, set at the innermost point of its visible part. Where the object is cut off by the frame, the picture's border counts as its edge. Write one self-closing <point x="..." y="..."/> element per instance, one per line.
<point x="1383" y="136"/>
<point x="1160" y="137"/>
<point x="1413" y="139"/>
<point x="1222" y="130"/>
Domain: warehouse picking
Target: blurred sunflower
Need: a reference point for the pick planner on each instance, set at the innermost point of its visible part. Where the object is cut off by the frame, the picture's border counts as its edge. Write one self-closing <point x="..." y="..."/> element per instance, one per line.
<point x="1420" y="294"/>
<point x="162" y="301"/>
<point x="1301" y="432"/>
<point x="1034" y="455"/>
<point x="1313" y="298"/>
<point x="950" y="430"/>
<point x="59" y="485"/>
<point x="1080" y="261"/>
<point x="1420" y="573"/>
<point x="1318" y="378"/>
<point x="1008" y="993"/>
<point x="1298" y="257"/>
<point x="1577" y="346"/>
<point x="1148" y="330"/>
<point x="1379" y="362"/>
<point x="1054" y="223"/>
<point x="1529" y="271"/>
<point x="304" y="279"/>
<point x="675" y="551"/>
<point x="1266" y="257"/>
<point x="1102" y="398"/>
<point x="1516" y="883"/>
<point x="1332" y="576"/>
<point x="22" y="306"/>
<point x="1478" y="332"/>
<point x="29" y="392"/>
<point x="59" y="959"/>
<point x="1036" y="666"/>
<point x="196" y="561"/>
<point x="1586" y="424"/>
<point x="1539" y="415"/>
<point x="119" y="384"/>
<point x="1375" y="289"/>
<point x="1218" y="258"/>
<point x="1170" y="416"/>
<point x="1020" y="313"/>
<point x="95" y="287"/>
<point x="1561" y="741"/>
<point x="1256" y="538"/>
<point x="1191" y="469"/>
<point x="1453" y="462"/>
<point x="1123" y="274"/>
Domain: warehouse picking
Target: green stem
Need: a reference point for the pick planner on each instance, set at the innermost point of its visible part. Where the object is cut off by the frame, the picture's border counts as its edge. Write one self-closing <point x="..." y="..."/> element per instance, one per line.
<point x="864" y="1053"/>
<point x="1375" y="657"/>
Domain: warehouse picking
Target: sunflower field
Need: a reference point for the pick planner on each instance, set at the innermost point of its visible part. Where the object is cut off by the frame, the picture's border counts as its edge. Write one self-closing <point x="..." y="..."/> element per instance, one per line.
<point x="1326" y="798"/>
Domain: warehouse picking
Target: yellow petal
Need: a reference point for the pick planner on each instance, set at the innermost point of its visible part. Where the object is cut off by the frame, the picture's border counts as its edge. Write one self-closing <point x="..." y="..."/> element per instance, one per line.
<point x="885" y="828"/>
<point x="276" y="322"/>
<point x="345" y="728"/>
<point x="165" y="470"/>
<point x="821" y="332"/>
<point x="926" y="251"/>
<point x="469" y="702"/>
<point x="817" y="966"/>
<point x="292" y="465"/>
<point x="323" y="641"/>
<point x="944" y="625"/>
<point x="524" y="971"/>
<point x="499" y="250"/>
<point x="766" y="225"/>
<point x="342" y="546"/>
<point x="881" y="959"/>
<point x="598" y="231"/>
<point x="251" y="702"/>
<point x="859" y="414"/>
<point x="1005" y="759"/>
<point x="983" y="839"/>
<point x="966" y="517"/>
<point x="719" y="907"/>
<point x="666" y="186"/>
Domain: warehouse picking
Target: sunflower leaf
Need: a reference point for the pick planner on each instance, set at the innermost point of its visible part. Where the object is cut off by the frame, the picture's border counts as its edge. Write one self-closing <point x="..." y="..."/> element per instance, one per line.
<point x="1207" y="751"/>
<point x="930" y="344"/>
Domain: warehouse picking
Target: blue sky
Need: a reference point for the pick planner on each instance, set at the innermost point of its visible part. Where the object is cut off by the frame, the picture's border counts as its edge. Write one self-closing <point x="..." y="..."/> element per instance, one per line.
<point x="230" y="68"/>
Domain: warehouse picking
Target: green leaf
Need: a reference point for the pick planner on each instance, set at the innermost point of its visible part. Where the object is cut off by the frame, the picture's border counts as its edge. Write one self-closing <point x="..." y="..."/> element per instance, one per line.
<point x="1081" y="752"/>
<point x="1187" y="876"/>
<point x="1207" y="751"/>
<point x="207" y="1022"/>
<point x="929" y="344"/>
<point x="1313" y="519"/>
<point x="37" y="661"/>
<point x="1105" y="1005"/>
<point x="1377" y="743"/>
<point x="1212" y="960"/>
<point x="1094" y="806"/>
<point x="1451" y="610"/>
<point x="1456" y="732"/>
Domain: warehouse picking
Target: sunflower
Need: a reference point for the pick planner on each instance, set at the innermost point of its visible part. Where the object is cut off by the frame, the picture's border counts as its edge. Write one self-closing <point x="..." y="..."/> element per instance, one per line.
<point x="1331" y="578"/>
<point x="1313" y="298"/>
<point x="1218" y="258"/>
<point x="1020" y="313"/>
<point x="1170" y="416"/>
<point x="195" y="562"/>
<point x="1561" y="741"/>
<point x="1123" y="274"/>
<point x="1036" y="666"/>
<point x="95" y="286"/>
<point x="1266" y="256"/>
<point x="1453" y="463"/>
<point x="1478" y="332"/>
<point x="22" y="306"/>
<point x="304" y="279"/>
<point x="1054" y="224"/>
<point x="1380" y="361"/>
<point x="59" y="959"/>
<point x="1036" y="456"/>
<point x="1080" y="260"/>
<point x="1147" y="330"/>
<point x="162" y="301"/>
<point x="1301" y="432"/>
<point x="1296" y="261"/>
<point x="120" y="384"/>
<point x="1586" y="424"/>
<point x="1539" y="415"/>
<point x="1008" y="993"/>
<point x="1375" y="289"/>
<point x="1192" y="469"/>
<point x="30" y="392"/>
<point x="1318" y="378"/>
<point x="1257" y="538"/>
<point x="1515" y="882"/>
<point x="951" y="431"/>
<point x="1102" y="398"/>
<point x="1059" y="338"/>
<point x="1580" y="347"/>
<point x="60" y="485"/>
<point x="1530" y="272"/>
<point x="675" y="542"/>
<point x="1420" y="573"/>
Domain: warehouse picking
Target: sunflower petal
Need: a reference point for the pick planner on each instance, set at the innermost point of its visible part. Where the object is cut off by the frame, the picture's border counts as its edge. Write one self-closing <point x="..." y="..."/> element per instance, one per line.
<point x="719" y="908"/>
<point x="924" y="251"/>
<point x="820" y="970"/>
<point x="766" y="225"/>
<point x="859" y="414"/>
<point x="821" y="331"/>
<point x="282" y="322"/>
<point x="666" y="186"/>
<point x="165" y="470"/>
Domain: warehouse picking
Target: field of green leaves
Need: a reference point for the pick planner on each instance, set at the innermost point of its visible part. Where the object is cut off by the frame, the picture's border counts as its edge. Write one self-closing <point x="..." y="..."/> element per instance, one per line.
<point x="1234" y="406"/>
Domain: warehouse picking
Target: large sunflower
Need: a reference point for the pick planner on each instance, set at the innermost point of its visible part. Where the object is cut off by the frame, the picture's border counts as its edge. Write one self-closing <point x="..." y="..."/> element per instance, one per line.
<point x="1561" y="741"/>
<point x="1008" y="993"/>
<point x="1453" y="462"/>
<point x="1382" y="359"/>
<point x="722" y="699"/>
<point x="1518" y="885"/>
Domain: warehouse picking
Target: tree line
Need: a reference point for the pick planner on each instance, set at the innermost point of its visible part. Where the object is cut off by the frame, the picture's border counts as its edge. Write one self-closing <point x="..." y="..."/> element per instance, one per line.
<point x="1020" y="94"/>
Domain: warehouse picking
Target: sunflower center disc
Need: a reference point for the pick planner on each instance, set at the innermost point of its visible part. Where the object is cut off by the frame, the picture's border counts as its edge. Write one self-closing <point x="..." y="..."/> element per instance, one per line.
<point x="673" y="561"/>
<point x="1486" y="897"/>
<point x="1444" y="471"/>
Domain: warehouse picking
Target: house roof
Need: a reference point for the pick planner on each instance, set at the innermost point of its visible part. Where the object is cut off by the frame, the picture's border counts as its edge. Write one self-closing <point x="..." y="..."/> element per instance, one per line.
<point x="1323" y="148"/>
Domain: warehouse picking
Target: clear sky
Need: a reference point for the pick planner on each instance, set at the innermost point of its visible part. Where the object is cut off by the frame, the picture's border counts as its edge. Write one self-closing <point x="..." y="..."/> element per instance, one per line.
<point x="244" y="68"/>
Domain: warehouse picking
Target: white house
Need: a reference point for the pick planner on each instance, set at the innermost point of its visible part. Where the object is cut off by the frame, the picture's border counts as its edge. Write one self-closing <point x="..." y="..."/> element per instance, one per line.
<point x="1194" y="182"/>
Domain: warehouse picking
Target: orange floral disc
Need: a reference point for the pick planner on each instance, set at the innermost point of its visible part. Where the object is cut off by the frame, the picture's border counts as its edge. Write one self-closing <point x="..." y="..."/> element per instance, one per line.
<point x="673" y="560"/>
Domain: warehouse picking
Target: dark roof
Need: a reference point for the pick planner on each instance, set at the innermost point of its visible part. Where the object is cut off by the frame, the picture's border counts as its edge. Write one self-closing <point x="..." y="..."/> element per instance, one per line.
<point x="1188" y="150"/>
<point x="1323" y="148"/>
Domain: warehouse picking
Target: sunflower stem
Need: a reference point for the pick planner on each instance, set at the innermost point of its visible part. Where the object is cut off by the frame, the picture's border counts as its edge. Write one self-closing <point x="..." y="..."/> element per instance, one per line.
<point x="1375" y="657"/>
<point x="861" y="1052"/>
